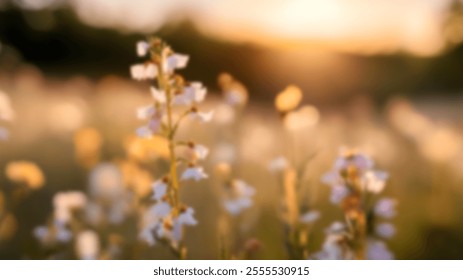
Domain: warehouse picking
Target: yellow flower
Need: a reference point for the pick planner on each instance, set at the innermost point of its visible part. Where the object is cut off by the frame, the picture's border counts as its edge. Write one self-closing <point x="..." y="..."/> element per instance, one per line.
<point x="25" y="172"/>
<point x="288" y="99"/>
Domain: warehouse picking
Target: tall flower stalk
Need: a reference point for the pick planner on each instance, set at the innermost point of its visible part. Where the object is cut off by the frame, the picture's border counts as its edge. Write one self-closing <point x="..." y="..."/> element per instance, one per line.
<point x="355" y="185"/>
<point x="174" y="99"/>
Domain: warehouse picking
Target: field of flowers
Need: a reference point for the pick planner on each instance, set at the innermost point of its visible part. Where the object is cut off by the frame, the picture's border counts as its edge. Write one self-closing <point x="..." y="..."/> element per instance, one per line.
<point x="159" y="168"/>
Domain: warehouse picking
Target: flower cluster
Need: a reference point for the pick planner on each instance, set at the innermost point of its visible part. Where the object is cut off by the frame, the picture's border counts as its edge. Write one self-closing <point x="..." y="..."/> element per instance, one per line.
<point x="65" y="203"/>
<point x="174" y="99"/>
<point x="354" y="186"/>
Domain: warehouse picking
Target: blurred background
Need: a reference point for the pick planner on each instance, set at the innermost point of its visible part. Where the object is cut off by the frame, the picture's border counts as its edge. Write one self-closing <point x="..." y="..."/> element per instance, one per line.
<point x="385" y="76"/>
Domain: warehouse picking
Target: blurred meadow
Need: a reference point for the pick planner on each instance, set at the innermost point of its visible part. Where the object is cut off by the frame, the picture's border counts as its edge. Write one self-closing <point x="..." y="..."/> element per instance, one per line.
<point x="293" y="85"/>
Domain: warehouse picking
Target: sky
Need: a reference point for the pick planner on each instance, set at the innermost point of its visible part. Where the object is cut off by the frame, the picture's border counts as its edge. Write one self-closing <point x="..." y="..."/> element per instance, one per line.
<point x="363" y="26"/>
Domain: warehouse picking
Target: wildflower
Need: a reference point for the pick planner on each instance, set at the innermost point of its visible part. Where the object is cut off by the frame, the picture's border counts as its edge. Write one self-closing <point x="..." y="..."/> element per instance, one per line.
<point x="142" y="48"/>
<point x="152" y="220"/>
<point x="150" y="129"/>
<point x="351" y="179"/>
<point x="200" y="151"/>
<point x="186" y="217"/>
<point x="195" y="93"/>
<point x="338" y="193"/>
<point x="158" y="95"/>
<point x="58" y="232"/>
<point x="194" y="172"/>
<point x="145" y="112"/>
<point x="377" y="250"/>
<point x="385" y="230"/>
<point x="143" y="72"/>
<point x="87" y="245"/>
<point x="202" y="116"/>
<point x="310" y="217"/>
<point x="238" y="196"/>
<point x="385" y="208"/>
<point x="171" y="90"/>
<point x="171" y="228"/>
<point x="65" y="202"/>
<point x="175" y="61"/>
<point x="159" y="189"/>
<point x="374" y="182"/>
<point x="25" y="172"/>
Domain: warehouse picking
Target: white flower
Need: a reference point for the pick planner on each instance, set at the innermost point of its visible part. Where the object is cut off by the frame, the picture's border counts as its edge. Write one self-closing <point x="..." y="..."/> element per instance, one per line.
<point x="171" y="228"/>
<point x="196" y="173"/>
<point x="160" y="209"/>
<point x="310" y="217"/>
<point x="358" y="160"/>
<point x="142" y="48"/>
<point x="147" y="235"/>
<point x="159" y="189"/>
<point x="65" y="202"/>
<point x="238" y="196"/>
<point x="332" y="178"/>
<point x="385" y="230"/>
<point x="336" y="227"/>
<point x="377" y="250"/>
<point x="147" y="131"/>
<point x="152" y="220"/>
<point x="374" y="181"/>
<point x="192" y="94"/>
<point x="332" y="249"/>
<point x="59" y="233"/>
<point x="175" y="61"/>
<point x="143" y="72"/>
<point x="63" y="234"/>
<point x="158" y="95"/>
<point x="202" y="116"/>
<point x="145" y="112"/>
<point x="186" y="217"/>
<point x="385" y="208"/>
<point x="87" y="245"/>
<point x="338" y="193"/>
<point x="200" y="151"/>
<point x="278" y="164"/>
